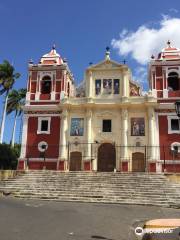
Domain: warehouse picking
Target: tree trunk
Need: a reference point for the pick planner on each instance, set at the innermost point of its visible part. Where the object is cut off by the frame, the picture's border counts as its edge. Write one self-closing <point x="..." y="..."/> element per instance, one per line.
<point x="14" y="131"/>
<point x="3" y="118"/>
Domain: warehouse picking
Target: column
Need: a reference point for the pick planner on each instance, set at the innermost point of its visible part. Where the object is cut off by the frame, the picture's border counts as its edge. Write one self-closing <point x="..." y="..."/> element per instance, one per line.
<point x="151" y="120"/>
<point x="124" y="86"/>
<point x="53" y="88"/>
<point x="90" y="85"/>
<point x="125" y="92"/>
<point x="24" y="136"/>
<point x="38" y="88"/>
<point x="63" y="135"/>
<point x="124" y="135"/>
<point x="165" y="87"/>
<point x="89" y="132"/>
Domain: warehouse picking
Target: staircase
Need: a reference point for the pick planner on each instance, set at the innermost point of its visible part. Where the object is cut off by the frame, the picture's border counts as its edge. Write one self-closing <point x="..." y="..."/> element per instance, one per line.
<point x="124" y="188"/>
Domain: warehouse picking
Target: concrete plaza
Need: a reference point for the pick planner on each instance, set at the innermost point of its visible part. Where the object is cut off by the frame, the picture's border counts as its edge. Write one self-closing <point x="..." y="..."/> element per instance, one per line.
<point x="44" y="220"/>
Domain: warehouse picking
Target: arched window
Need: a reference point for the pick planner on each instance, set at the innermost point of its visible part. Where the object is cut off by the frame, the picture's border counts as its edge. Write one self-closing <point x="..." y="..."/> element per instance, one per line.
<point x="46" y="85"/>
<point x="173" y="81"/>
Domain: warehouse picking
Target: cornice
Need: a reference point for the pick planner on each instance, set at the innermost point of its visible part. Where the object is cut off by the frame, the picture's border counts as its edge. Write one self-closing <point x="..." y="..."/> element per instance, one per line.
<point x="40" y="108"/>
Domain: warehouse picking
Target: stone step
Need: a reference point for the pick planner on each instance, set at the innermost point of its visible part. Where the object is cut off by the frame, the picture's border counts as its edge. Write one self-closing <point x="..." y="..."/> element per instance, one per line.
<point x="113" y="190"/>
<point x="50" y="191"/>
<point x="86" y="195"/>
<point x="127" y="188"/>
<point x="99" y="200"/>
<point x="60" y="182"/>
<point x="139" y="186"/>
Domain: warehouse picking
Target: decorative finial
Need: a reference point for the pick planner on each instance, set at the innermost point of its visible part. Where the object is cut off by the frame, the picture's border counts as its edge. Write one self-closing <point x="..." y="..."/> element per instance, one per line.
<point x="169" y="43"/>
<point x="54" y="47"/>
<point x="107" y="53"/>
<point x="152" y="57"/>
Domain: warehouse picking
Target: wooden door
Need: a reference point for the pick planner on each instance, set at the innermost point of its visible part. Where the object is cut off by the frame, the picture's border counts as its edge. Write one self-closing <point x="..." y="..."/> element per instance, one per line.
<point x="106" y="157"/>
<point x="75" y="161"/>
<point x="138" y="162"/>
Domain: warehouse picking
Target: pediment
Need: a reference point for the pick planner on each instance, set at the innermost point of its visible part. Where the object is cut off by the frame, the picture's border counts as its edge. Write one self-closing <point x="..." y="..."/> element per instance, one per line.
<point x="106" y="64"/>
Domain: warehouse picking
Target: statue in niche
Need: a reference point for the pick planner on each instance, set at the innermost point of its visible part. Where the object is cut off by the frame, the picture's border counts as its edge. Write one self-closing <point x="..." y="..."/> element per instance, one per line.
<point x="134" y="90"/>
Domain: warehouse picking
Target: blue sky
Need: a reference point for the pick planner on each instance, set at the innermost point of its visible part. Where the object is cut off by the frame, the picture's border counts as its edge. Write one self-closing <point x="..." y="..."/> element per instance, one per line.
<point x="81" y="30"/>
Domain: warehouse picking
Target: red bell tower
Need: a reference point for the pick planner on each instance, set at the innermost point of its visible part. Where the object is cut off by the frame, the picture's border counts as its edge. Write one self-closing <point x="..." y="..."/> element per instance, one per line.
<point x="164" y="79"/>
<point x="164" y="73"/>
<point x="49" y="81"/>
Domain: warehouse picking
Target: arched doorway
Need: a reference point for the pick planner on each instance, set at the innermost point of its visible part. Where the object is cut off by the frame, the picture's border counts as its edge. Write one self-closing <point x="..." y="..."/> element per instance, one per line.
<point x="106" y="158"/>
<point x="138" y="162"/>
<point x="75" y="161"/>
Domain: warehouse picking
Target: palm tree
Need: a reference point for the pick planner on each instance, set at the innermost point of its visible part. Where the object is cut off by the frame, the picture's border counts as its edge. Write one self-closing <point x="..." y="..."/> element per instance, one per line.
<point x="15" y="103"/>
<point x="7" y="80"/>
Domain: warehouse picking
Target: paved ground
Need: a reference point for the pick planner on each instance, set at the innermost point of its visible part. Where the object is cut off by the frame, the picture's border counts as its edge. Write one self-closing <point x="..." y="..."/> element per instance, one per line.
<point x="40" y="220"/>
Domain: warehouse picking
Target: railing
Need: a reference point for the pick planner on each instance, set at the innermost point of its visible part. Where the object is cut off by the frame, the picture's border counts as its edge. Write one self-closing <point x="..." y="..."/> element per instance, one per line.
<point x="127" y="158"/>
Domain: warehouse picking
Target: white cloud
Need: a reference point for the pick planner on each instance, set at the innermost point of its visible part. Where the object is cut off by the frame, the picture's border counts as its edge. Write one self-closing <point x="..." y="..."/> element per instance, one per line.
<point x="174" y="10"/>
<point x="140" y="74"/>
<point x="145" y="41"/>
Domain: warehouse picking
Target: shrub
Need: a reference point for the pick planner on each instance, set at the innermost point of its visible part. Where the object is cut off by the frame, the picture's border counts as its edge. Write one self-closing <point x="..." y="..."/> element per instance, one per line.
<point x="8" y="156"/>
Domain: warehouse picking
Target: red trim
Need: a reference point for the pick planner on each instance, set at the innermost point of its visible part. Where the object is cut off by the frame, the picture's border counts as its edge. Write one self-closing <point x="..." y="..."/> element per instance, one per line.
<point x="87" y="166"/>
<point x="124" y="166"/>
<point x="152" y="167"/>
<point x="61" y="166"/>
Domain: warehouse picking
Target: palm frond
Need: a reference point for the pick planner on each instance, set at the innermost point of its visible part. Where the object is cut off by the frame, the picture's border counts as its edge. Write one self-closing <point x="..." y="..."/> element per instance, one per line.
<point x="16" y="101"/>
<point x="7" y="76"/>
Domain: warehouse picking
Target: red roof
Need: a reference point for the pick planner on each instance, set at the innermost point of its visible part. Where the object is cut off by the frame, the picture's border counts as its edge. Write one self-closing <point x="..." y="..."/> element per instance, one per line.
<point x="169" y="53"/>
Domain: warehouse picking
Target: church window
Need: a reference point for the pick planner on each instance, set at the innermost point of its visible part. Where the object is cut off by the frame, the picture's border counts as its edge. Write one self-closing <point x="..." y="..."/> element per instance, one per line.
<point x="43" y="125"/>
<point x="98" y="86"/>
<point x="46" y="85"/>
<point x="106" y="125"/>
<point x="116" y="86"/>
<point x="107" y="86"/>
<point x="173" y="81"/>
<point x="173" y="124"/>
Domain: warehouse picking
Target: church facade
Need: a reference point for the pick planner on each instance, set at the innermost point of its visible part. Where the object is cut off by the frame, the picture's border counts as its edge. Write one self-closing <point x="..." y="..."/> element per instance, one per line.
<point x="105" y="124"/>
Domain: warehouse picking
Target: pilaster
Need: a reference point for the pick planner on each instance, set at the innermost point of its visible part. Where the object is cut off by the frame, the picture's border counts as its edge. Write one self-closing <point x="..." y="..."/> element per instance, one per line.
<point x="89" y="132"/>
<point x="124" y="135"/>
<point x="90" y="84"/>
<point x="24" y="136"/>
<point x="151" y="120"/>
<point x="63" y="135"/>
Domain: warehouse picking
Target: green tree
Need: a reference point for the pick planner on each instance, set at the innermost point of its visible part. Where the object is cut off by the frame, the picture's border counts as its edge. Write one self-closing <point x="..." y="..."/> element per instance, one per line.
<point x="8" y="157"/>
<point x="15" y="103"/>
<point x="8" y="77"/>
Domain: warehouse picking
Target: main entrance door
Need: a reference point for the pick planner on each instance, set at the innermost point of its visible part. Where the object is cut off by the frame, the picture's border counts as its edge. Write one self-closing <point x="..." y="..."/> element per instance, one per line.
<point x="106" y="157"/>
<point x="138" y="162"/>
<point x="75" y="161"/>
